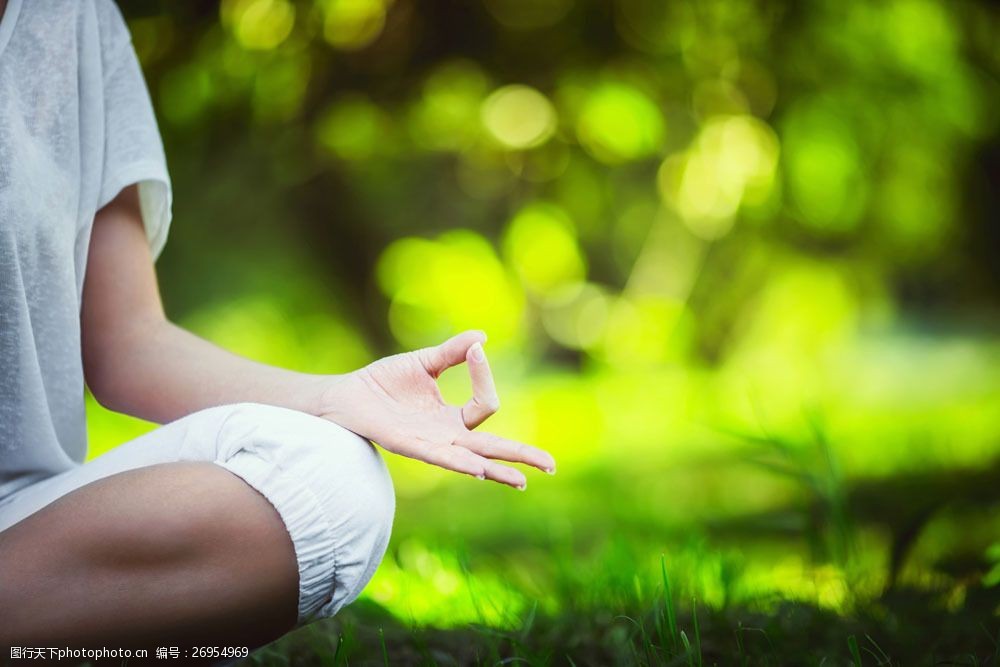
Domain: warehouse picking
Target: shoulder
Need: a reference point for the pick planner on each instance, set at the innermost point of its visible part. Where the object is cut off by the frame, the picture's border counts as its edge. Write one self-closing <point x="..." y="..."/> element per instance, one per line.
<point x="108" y="14"/>
<point x="69" y="22"/>
<point x="52" y="22"/>
<point x="110" y="24"/>
<point x="72" y="12"/>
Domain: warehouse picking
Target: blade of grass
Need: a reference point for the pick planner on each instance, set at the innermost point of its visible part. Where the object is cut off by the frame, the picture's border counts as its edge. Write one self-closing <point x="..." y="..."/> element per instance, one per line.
<point x="884" y="659"/>
<point x="385" y="651"/>
<point x="529" y="621"/>
<point x="852" y="644"/>
<point x="739" y="644"/>
<point x="697" y="632"/>
<point x="687" y="649"/>
<point x="668" y="604"/>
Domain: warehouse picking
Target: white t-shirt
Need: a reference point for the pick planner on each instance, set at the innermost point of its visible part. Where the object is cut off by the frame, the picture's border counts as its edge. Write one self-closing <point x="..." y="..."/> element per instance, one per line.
<point x="76" y="127"/>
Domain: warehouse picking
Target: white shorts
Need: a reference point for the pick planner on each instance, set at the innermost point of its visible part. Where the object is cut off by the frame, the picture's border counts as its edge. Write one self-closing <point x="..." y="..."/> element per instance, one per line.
<point x="330" y="487"/>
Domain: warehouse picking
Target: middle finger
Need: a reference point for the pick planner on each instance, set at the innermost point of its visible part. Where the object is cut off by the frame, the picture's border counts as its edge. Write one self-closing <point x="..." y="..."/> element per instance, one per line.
<point x="496" y="447"/>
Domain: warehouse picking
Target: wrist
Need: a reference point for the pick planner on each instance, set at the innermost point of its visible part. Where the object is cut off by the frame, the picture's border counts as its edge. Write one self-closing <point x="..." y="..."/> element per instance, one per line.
<point x="325" y="393"/>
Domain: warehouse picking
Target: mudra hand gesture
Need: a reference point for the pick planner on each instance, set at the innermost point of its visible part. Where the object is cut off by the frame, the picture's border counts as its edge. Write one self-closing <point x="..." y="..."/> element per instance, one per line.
<point x="395" y="402"/>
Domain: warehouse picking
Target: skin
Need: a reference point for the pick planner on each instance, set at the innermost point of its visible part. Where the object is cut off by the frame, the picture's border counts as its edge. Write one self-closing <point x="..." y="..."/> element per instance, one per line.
<point x="58" y="567"/>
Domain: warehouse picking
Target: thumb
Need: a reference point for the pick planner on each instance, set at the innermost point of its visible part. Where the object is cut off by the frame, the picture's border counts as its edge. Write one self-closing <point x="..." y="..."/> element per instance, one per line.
<point x="439" y="358"/>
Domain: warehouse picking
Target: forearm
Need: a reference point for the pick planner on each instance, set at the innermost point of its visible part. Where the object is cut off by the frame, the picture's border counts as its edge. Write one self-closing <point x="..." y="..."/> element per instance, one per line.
<point x="160" y="372"/>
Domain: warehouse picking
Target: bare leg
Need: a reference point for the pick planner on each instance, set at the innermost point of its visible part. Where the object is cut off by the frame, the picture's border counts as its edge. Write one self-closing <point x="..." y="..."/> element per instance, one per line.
<point x="185" y="552"/>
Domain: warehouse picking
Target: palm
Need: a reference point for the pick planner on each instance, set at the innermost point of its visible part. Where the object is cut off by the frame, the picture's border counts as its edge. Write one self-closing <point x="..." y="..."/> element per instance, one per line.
<point x="408" y="414"/>
<point x="395" y="401"/>
<point x="402" y="381"/>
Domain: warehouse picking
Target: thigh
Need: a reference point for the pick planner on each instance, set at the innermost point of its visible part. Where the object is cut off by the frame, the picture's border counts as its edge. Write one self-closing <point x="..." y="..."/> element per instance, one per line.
<point x="329" y="487"/>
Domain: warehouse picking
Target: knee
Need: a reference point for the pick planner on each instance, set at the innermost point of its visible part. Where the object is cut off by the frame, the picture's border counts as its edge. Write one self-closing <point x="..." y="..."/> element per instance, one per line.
<point x="331" y="488"/>
<point x="361" y="509"/>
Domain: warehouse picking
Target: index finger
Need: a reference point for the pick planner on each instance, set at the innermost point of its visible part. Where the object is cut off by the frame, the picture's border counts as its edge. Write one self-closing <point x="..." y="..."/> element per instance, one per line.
<point x="439" y="358"/>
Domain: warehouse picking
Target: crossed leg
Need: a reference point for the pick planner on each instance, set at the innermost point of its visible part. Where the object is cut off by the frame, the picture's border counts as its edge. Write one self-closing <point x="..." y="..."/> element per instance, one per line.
<point x="227" y="528"/>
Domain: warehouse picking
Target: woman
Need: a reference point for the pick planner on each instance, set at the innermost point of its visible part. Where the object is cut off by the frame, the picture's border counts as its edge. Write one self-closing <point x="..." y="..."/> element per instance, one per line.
<point x="261" y="505"/>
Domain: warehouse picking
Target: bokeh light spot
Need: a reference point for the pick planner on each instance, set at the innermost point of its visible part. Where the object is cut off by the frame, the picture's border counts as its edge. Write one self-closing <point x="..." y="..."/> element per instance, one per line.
<point x="731" y="163"/>
<point x="823" y="167"/>
<point x="644" y="331"/>
<point x="351" y="25"/>
<point x="540" y="243"/>
<point x="619" y="123"/>
<point x="280" y="87"/>
<point x="259" y="24"/>
<point x="353" y="128"/>
<point x="447" y="116"/>
<point x="185" y="93"/>
<point x="917" y="28"/>
<point x="519" y="117"/>
<point x="439" y="287"/>
<point x="576" y="315"/>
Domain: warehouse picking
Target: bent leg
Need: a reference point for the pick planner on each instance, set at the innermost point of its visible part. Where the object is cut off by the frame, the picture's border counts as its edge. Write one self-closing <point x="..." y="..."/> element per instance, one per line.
<point x="181" y="551"/>
<point x="189" y="527"/>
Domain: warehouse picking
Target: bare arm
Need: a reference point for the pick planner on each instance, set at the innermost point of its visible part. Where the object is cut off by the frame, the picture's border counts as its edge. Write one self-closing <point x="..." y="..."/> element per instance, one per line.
<point x="139" y="363"/>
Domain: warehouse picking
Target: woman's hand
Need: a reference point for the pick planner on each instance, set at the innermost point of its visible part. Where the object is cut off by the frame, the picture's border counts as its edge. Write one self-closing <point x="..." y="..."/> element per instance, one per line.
<point x="395" y="402"/>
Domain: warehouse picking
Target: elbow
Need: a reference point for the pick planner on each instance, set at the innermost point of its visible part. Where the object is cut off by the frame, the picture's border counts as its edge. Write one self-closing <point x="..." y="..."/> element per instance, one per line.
<point x="100" y="388"/>
<point x="99" y="375"/>
<point x="111" y="360"/>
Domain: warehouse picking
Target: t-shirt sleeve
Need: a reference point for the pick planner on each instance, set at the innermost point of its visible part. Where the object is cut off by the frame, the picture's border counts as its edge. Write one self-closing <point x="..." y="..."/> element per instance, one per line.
<point x="133" y="150"/>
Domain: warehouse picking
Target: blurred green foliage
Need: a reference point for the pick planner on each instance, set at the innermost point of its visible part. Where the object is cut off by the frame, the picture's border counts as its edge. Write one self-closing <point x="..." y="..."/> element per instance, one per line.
<point x="688" y="228"/>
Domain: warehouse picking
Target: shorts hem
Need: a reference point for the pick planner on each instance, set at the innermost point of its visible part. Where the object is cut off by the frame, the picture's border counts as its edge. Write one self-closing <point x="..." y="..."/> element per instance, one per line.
<point x="307" y="526"/>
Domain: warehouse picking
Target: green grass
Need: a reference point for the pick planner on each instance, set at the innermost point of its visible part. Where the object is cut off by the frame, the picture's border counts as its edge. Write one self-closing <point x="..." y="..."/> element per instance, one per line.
<point x="903" y="627"/>
<point x="897" y="570"/>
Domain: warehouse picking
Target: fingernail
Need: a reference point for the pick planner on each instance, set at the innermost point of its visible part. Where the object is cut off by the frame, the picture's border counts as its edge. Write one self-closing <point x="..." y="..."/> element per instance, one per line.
<point x="550" y="471"/>
<point x="477" y="352"/>
<point x="522" y="487"/>
<point x="480" y="476"/>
